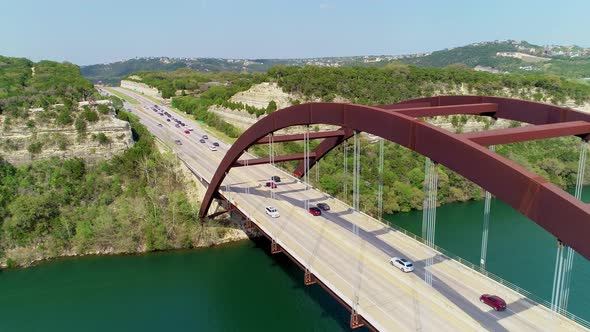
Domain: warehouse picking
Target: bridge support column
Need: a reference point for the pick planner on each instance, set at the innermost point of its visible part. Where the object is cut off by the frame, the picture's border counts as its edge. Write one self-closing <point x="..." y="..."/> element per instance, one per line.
<point x="564" y="259"/>
<point x="356" y="320"/>
<point x="227" y="188"/>
<point x="345" y="170"/>
<point x="317" y="173"/>
<point x="308" y="278"/>
<point x="271" y="154"/>
<point x="486" y="224"/>
<point x="380" y="193"/>
<point x="306" y="152"/>
<point x="356" y="167"/>
<point x="356" y="170"/>
<point x="429" y="212"/>
<point x="275" y="248"/>
<point x="248" y="224"/>
<point x="246" y="164"/>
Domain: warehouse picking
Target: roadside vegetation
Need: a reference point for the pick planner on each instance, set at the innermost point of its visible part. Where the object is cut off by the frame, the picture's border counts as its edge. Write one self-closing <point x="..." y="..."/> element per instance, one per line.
<point x="554" y="159"/>
<point x="25" y="84"/>
<point x="122" y="96"/>
<point x="135" y="202"/>
<point x="396" y="82"/>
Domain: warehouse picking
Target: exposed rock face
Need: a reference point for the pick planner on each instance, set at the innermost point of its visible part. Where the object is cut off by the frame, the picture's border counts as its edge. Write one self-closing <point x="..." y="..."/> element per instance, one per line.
<point x="15" y="141"/>
<point x="244" y="120"/>
<point x="261" y="94"/>
<point x="141" y="88"/>
<point x="240" y="119"/>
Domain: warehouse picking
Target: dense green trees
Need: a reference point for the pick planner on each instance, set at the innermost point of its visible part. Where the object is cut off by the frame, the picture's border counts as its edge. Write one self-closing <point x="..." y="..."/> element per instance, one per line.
<point x="224" y="84"/>
<point x="134" y="202"/>
<point x="24" y="84"/>
<point x="470" y="55"/>
<point x="553" y="159"/>
<point x="371" y="85"/>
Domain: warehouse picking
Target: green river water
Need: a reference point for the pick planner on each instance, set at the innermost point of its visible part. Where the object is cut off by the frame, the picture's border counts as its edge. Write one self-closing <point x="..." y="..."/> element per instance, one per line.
<point x="241" y="287"/>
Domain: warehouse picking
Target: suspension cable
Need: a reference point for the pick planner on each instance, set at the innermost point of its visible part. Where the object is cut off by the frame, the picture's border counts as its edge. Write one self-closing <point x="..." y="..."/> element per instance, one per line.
<point x="345" y="171"/>
<point x="564" y="259"/>
<point x="380" y="193"/>
<point x="486" y="223"/>
<point x="271" y="161"/>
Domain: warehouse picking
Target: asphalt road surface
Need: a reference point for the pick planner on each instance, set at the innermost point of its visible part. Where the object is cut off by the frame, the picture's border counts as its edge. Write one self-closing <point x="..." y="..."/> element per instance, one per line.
<point x="350" y="251"/>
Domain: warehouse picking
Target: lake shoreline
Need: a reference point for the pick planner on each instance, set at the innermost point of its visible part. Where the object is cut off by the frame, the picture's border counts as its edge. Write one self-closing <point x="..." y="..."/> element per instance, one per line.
<point x="32" y="256"/>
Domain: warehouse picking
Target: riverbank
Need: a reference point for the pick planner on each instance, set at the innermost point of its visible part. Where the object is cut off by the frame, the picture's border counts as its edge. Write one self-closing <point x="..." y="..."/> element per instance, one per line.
<point x="209" y="236"/>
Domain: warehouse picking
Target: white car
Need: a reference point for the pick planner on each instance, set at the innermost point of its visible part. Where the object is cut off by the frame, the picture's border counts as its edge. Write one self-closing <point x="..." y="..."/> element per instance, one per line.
<point x="272" y="211"/>
<point x="402" y="264"/>
<point x="212" y="148"/>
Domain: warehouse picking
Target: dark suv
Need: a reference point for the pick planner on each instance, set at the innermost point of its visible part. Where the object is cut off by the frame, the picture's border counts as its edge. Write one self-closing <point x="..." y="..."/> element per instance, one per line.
<point x="275" y="178"/>
<point x="324" y="206"/>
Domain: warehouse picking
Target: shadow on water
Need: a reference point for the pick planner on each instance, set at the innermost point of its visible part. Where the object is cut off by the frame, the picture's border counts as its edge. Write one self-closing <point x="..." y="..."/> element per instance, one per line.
<point x="331" y="308"/>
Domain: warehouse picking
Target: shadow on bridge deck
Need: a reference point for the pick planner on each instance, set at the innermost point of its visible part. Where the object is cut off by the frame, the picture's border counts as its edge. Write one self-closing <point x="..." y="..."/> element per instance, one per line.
<point x="438" y="285"/>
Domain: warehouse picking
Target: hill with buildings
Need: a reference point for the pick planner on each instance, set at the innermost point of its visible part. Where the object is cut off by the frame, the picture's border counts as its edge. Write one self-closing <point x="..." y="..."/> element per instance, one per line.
<point x="496" y="57"/>
<point x="512" y="56"/>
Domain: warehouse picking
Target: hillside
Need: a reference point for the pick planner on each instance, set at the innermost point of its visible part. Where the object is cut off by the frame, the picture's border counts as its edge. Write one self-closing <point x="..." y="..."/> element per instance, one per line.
<point x="512" y="57"/>
<point x="25" y="84"/>
<point x="80" y="175"/>
<point x="47" y="109"/>
<point x="220" y="107"/>
<point x="112" y="73"/>
<point x="471" y="55"/>
<point x="567" y="61"/>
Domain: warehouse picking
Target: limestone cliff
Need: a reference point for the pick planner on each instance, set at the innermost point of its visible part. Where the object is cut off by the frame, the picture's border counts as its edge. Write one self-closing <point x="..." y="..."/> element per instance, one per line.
<point x="103" y="139"/>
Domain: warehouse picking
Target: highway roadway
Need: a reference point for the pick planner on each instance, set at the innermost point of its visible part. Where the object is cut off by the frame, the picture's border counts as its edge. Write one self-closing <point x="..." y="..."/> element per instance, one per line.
<point x="355" y="264"/>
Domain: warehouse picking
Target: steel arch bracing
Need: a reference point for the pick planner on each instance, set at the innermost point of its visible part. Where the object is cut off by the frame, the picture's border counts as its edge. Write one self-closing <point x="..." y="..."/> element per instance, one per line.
<point x="506" y="108"/>
<point x="556" y="211"/>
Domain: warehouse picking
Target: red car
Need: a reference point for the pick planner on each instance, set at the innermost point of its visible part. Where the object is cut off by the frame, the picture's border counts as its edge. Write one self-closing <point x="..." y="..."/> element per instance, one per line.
<point x="315" y="211"/>
<point x="272" y="185"/>
<point x="187" y="132"/>
<point x="493" y="301"/>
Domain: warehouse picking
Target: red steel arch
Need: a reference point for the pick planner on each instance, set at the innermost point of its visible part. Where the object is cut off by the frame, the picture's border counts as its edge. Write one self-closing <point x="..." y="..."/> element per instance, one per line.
<point x="508" y="109"/>
<point x="556" y="211"/>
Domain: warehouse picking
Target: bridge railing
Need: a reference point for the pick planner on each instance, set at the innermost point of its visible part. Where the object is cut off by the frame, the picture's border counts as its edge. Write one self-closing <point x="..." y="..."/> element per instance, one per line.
<point x="528" y="295"/>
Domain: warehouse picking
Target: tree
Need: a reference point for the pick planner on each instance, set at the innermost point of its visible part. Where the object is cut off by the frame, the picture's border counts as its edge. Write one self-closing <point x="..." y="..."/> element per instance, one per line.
<point x="102" y="139"/>
<point x="168" y="91"/>
<point x="64" y="118"/>
<point x="80" y="125"/>
<point x="90" y="115"/>
<point x="103" y="109"/>
<point x="35" y="147"/>
<point x="30" y="213"/>
<point x="272" y="106"/>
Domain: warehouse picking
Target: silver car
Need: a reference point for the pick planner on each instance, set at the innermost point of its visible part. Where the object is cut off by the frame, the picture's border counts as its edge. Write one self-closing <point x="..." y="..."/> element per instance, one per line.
<point x="272" y="211"/>
<point x="402" y="264"/>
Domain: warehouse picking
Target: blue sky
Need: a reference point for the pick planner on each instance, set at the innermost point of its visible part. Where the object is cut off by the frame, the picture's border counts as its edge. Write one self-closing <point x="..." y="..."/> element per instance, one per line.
<point x="87" y="32"/>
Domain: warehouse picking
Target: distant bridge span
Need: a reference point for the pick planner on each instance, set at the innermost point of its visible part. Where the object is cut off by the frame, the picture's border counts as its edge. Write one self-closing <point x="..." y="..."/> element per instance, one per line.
<point x="552" y="208"/>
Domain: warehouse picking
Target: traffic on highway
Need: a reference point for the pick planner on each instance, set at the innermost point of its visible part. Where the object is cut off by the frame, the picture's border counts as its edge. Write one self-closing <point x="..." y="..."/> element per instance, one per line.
<point x="355" y="255"/>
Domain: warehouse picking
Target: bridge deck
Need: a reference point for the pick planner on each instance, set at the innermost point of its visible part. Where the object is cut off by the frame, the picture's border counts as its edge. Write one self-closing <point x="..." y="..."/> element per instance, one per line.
<point x="355" y="267"/>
